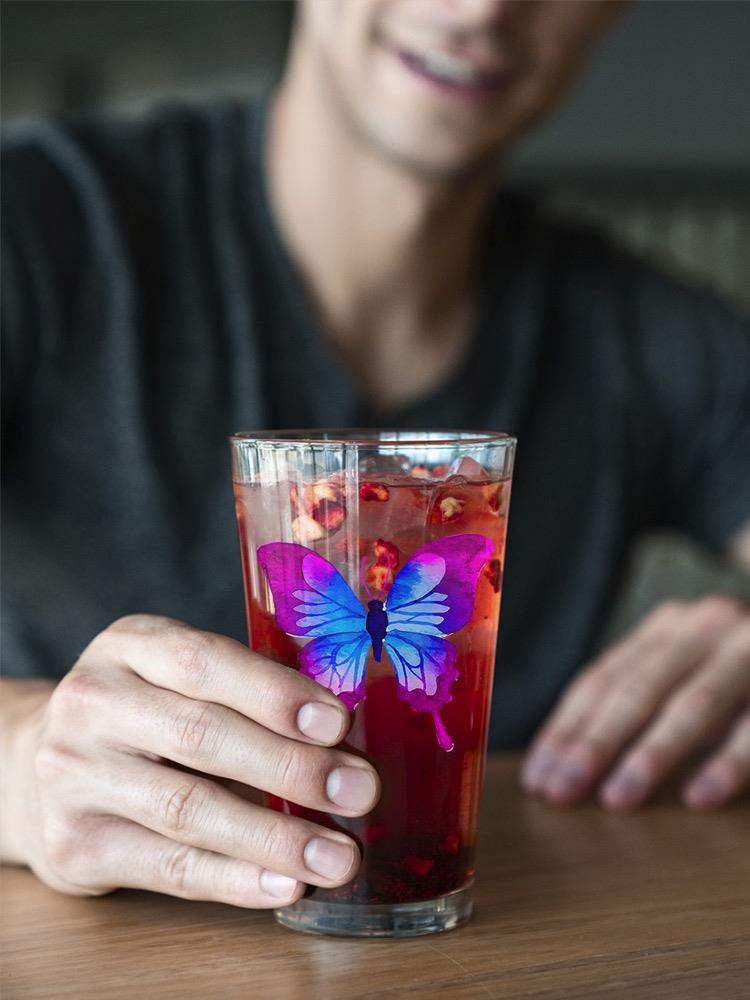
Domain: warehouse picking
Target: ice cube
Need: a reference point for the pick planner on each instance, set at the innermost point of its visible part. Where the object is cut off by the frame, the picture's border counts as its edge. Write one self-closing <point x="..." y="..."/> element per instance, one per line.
<point x="469" y="468"/>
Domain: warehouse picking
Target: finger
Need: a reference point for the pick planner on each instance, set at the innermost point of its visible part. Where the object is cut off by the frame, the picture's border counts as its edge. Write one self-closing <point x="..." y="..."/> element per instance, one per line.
<point x="210" y="667"/>
<point x="590" y="687"/>
<point x="711" y="696"/>
<point x="620" y="694"/>
<point x="195" y="811"/>
<point x="726" y="774"/>
<point x="582" y="697"/>
<point x="218" y="741"/>
<point x="130" y="856"/>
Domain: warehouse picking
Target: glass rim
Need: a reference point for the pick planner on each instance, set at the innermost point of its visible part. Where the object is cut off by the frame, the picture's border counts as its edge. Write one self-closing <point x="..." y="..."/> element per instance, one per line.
<point x="367" y="436"/>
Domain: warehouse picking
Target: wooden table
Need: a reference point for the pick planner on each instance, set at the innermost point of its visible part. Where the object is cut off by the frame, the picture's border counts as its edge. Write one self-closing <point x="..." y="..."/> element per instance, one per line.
<point x="573" y="903"/>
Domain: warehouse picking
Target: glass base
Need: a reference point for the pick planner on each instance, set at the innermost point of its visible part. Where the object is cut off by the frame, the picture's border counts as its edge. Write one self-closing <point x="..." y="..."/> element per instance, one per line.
<point x="429" y="916"/>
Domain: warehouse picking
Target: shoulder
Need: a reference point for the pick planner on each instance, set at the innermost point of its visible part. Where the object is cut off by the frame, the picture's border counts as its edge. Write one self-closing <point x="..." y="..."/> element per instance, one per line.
<point x="128" y="135"/>
<point x="59" y="156"/>
<point x="599" y="285"/>
<point x="91" y="197"/>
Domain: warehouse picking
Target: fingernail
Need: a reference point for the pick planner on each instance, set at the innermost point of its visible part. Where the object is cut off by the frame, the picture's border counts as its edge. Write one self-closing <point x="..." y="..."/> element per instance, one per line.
<point x="320" y="722"/>
<point x="277" y="885"/>
<point x="352" y="788"/>
<point x="624" y="789"/>
<point x="328" y="858"/>
<point x="705" y="791"/>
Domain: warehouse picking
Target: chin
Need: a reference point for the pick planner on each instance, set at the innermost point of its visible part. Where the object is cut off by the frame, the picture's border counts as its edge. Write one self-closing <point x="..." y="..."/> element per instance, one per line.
<point x="438" y="142"/>
<point x="437" y="153"/>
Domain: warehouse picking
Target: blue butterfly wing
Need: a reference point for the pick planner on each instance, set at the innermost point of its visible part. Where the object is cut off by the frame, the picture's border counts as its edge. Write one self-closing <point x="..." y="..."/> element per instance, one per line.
<point x="312" y="599"/>
<point x="310" y="596"/>
<point x="432" y="597"/>
<point x="423" y="663"/>
<point x="434" y="593"/>
<point x="338" y="662"/>
<point x="425" y="668"/>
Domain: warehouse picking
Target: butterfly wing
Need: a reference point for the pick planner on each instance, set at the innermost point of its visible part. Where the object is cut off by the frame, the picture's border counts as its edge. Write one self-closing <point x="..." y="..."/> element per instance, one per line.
<point x="432" y="597"/>
<point x="311" y="598"/>
<point x="338" y="663"/>
<point x="434" y="592"/>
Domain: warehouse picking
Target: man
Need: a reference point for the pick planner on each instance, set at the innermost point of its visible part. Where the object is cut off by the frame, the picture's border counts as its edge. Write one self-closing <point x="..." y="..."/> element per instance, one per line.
<point x="339" y="258"/>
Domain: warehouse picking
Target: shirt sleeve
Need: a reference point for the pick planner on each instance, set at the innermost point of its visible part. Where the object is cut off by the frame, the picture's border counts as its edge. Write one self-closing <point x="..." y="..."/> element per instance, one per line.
<point x="689" y="404"/>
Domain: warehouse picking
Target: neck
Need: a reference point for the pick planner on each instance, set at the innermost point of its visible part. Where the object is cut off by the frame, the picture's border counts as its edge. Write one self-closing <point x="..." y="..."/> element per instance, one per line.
<point x="385" y="252"/>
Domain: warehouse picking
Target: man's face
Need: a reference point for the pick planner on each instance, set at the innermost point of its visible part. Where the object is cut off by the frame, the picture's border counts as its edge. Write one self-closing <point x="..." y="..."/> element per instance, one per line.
<point x="438" y="85"/>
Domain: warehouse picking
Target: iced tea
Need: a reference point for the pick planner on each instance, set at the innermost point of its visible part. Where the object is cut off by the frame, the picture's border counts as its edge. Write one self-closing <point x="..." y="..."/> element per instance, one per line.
<point x="429" y="748"/>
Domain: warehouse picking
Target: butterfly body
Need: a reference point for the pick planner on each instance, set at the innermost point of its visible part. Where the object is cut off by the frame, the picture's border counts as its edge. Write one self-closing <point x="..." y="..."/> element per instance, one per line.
<point x="376" y="624"/>
<point x="431" y="597"/>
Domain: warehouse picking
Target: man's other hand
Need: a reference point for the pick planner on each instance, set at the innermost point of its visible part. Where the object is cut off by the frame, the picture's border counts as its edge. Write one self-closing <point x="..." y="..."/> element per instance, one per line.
<point x="115" y="781"/>
<point x="676" y="687"/>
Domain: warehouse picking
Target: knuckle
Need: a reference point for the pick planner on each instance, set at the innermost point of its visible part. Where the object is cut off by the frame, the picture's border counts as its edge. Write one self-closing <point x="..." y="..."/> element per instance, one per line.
<point x="73" y="855"/>
<point x="177" y="868"/>
<point x="701" y="703"/>
<point x="719" y="605"/>
<point x="63" y="840"/>
<point x="181" y="807"/>
<point x="716" y="610"/>
<point x="51" y="763"/>
<point x="276" y="693"/>
<point x="196" y="732"/>
<point x="635" y="693"/>
<point x="110" y="639"/>
<point x="593" y="681"/>
<point x="275" y="842"/>
<point x="194" y="658"/>
<point x="78" y="693"/>
<point x="263" y="689"/>
<point x="591" y="684"/>
<point x="131" y="623"/>
<point x="295" y="770"/>
<point x="116" y="631"/>
<point x="668" y="615"/>
<point x="142" y="624"/>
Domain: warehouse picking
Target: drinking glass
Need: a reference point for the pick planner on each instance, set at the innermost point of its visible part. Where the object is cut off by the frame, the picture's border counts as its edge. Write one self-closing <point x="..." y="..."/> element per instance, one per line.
<point x="373" y="563"/>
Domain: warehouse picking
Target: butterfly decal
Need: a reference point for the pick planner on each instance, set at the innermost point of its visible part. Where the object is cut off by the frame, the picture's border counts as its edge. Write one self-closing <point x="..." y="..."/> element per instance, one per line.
<point x="431" y="597"/>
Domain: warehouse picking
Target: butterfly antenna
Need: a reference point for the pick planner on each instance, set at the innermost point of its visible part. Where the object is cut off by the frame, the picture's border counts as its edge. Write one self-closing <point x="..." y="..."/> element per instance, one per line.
<point x="362" y="580"/>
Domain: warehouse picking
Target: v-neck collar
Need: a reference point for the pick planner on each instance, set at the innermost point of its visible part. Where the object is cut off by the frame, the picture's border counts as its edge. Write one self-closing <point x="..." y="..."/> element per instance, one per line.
<point x="496" y="364"/>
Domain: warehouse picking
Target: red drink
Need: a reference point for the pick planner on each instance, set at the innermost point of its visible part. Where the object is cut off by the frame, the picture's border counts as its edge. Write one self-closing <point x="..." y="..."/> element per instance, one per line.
<point x="418" y="842"/>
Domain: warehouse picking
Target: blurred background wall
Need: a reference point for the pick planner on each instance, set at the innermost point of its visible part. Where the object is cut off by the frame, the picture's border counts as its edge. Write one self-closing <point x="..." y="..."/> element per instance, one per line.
<point x="654" y="144"/>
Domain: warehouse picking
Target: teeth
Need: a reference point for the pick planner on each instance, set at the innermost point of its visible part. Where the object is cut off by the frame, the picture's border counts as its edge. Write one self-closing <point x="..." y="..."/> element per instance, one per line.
<point x="450" y="68"/>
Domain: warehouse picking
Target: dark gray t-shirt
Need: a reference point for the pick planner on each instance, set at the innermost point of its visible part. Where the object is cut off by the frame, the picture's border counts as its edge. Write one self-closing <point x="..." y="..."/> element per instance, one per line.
<point x="151" y="309"/>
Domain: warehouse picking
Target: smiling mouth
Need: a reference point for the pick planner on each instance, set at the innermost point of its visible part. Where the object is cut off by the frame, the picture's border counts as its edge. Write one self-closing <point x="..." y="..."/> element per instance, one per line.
<point x="453" y="73"/>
